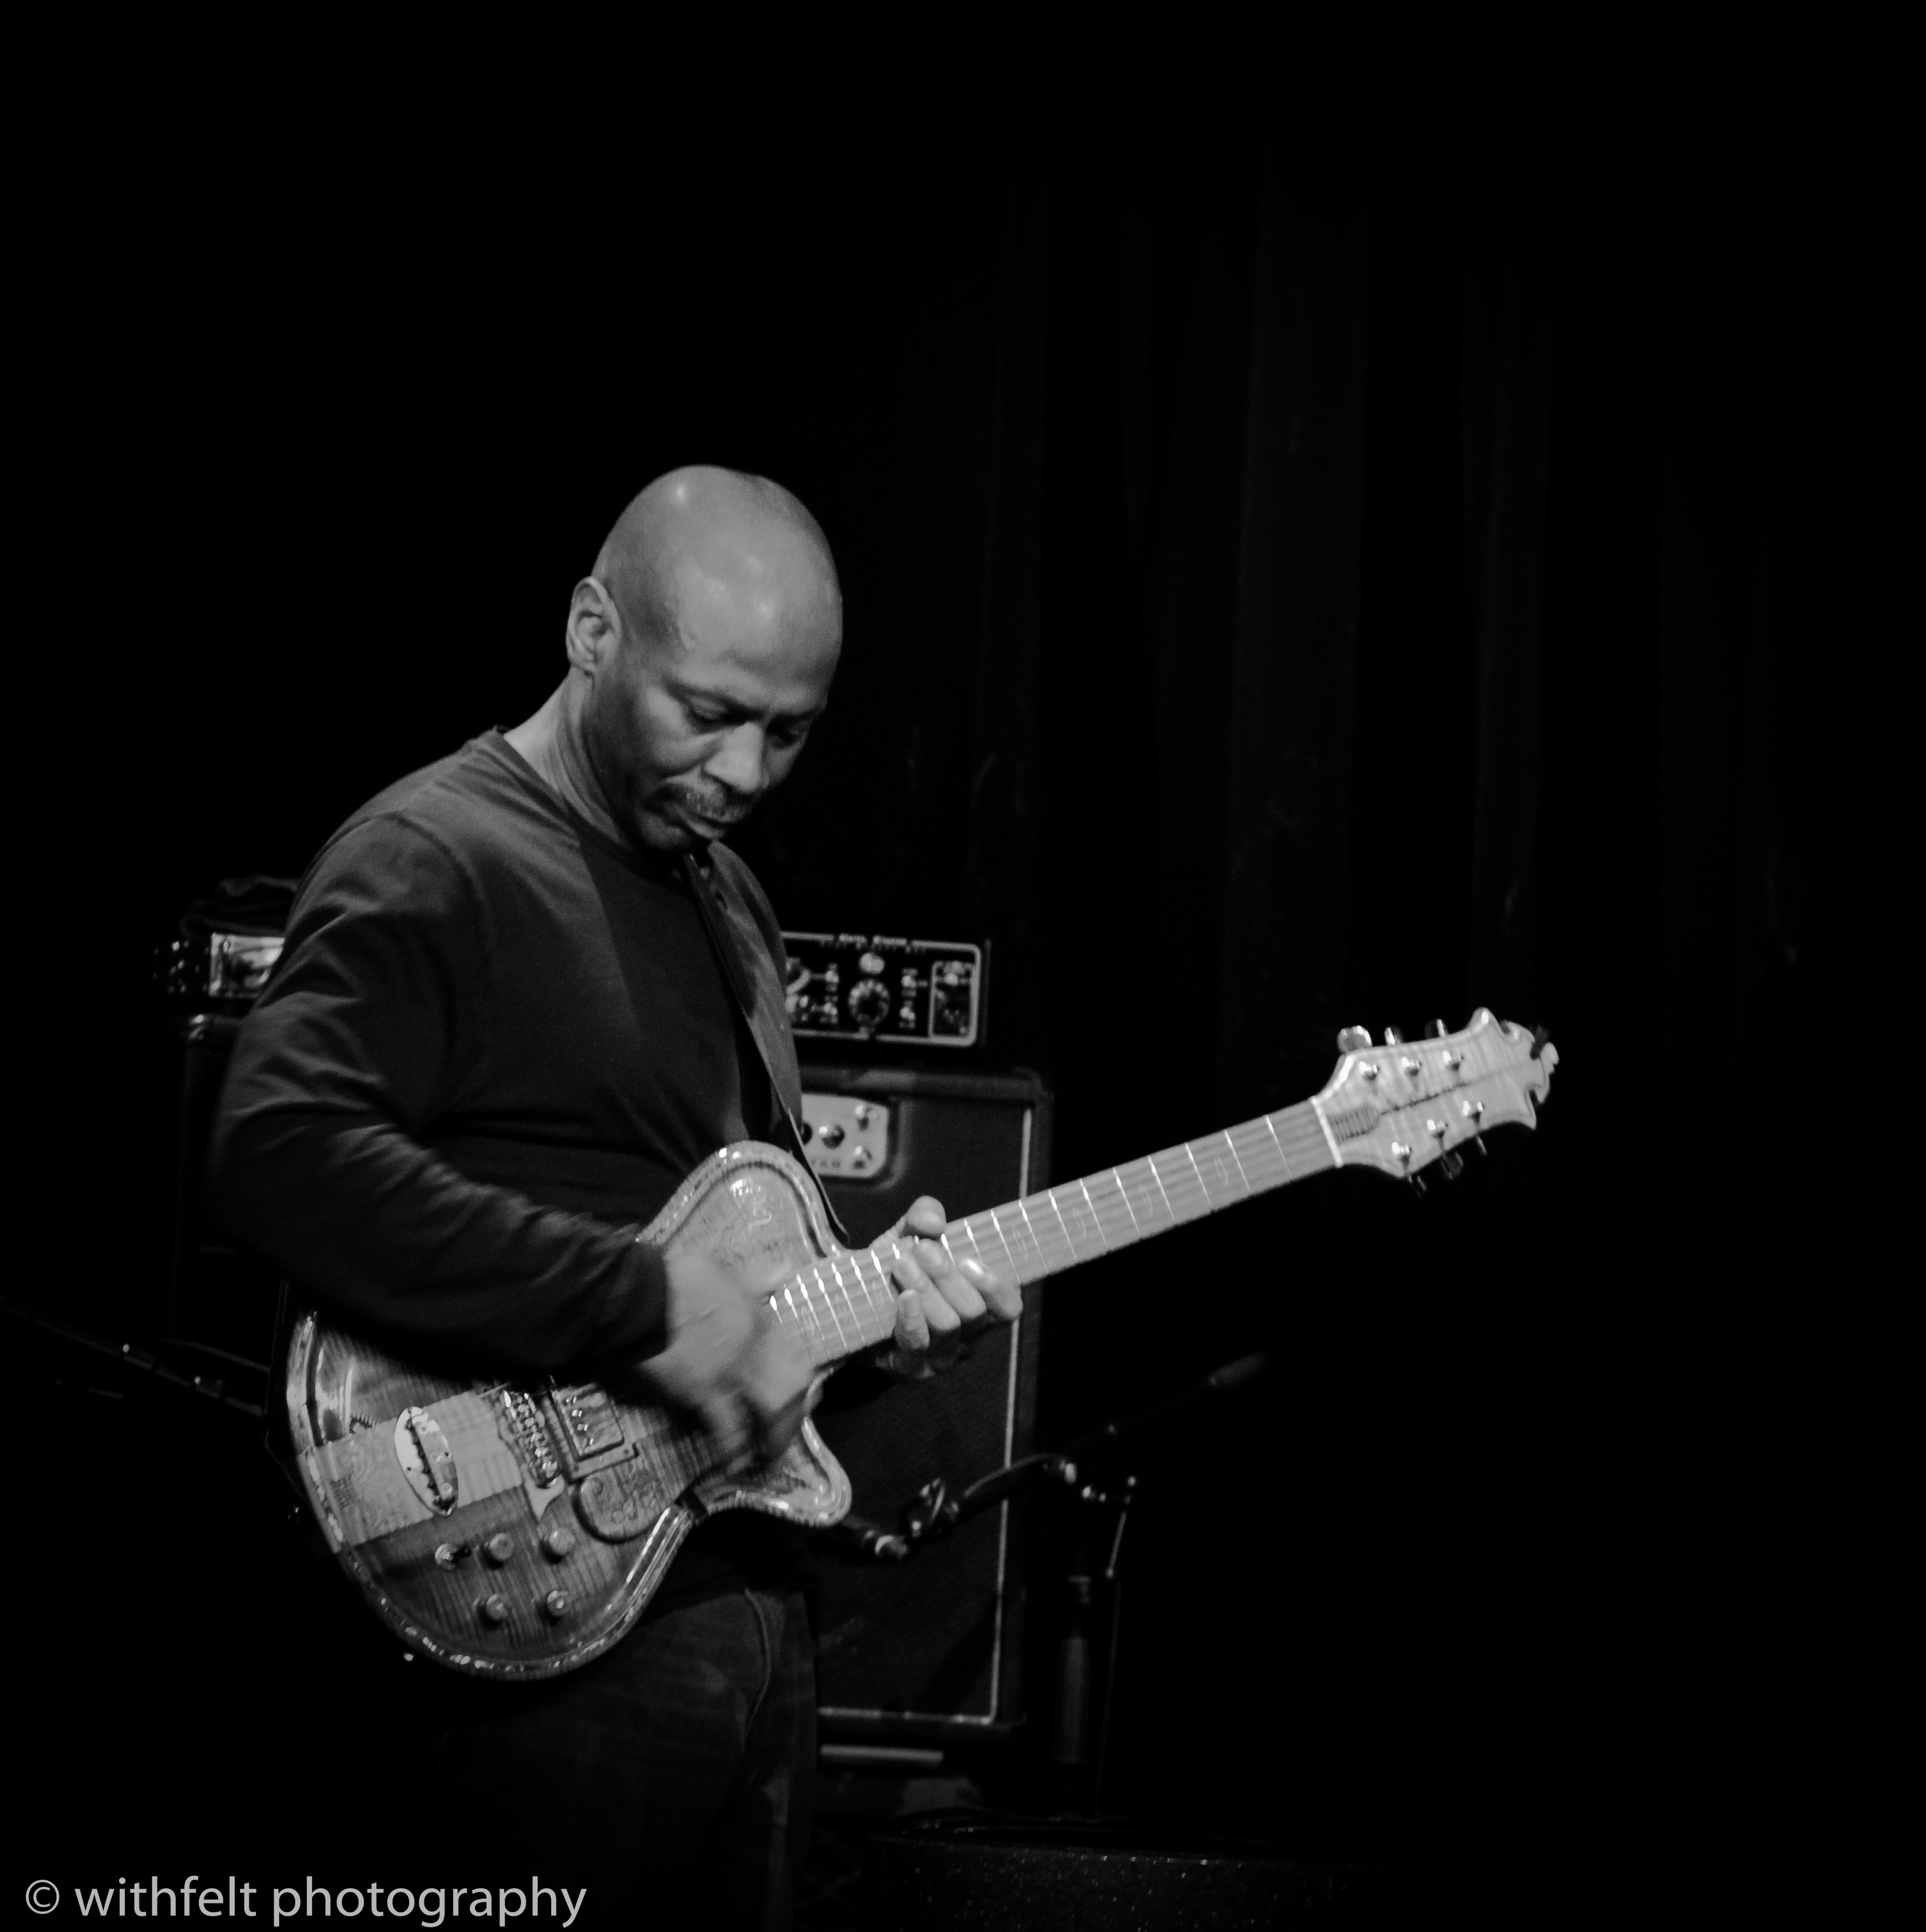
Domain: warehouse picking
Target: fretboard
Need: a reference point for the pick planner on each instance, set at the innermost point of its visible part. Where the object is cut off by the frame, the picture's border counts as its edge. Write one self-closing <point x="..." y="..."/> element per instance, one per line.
<point x="846" y="1302"/>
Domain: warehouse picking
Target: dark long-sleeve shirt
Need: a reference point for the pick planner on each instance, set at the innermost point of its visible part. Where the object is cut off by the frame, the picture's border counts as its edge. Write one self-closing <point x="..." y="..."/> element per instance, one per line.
<point x="495" y="1044"/>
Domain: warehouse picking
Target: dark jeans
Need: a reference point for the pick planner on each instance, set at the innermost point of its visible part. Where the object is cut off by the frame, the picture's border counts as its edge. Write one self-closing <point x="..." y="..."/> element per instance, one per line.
<point x="673" y="1777"/>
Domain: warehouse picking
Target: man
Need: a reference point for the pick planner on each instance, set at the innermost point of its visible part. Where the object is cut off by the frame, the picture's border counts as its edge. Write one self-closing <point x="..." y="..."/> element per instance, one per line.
<point x="524" y="992"/>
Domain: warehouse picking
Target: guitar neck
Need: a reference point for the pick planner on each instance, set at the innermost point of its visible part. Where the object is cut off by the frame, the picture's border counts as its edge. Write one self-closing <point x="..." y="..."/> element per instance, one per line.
<point x="845" y="1303"/>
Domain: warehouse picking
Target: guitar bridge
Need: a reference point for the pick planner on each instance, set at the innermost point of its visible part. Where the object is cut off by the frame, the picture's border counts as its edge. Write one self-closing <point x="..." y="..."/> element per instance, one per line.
<point x="528" y="1436"/>
<point x="590" y="1427"/>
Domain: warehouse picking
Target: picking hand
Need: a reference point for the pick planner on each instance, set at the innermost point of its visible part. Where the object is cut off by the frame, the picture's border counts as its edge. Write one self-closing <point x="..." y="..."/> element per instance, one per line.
<point x="728" y="1363"/>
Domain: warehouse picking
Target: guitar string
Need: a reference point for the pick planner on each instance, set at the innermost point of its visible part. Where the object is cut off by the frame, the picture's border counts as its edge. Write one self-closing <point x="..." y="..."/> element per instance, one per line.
<point x="1190" y="1180"/>
<point x="1072" y="1222"/>
<point x="1117" y="1209"/>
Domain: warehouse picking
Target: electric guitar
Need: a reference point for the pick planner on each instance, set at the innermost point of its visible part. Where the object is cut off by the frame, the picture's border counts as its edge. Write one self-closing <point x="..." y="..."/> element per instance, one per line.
<point x="513" y="1533"/>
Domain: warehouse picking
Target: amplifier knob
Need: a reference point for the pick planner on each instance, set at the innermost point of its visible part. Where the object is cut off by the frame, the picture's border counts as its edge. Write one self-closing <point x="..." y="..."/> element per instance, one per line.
<point x="831" y="1134"/>
<point x="869" y="1003"/>
<point x="555" y="1605"/>
<point x="558" y="1542"/>
<point x="493" y="1610"/>
<point x="499" y="1548"/>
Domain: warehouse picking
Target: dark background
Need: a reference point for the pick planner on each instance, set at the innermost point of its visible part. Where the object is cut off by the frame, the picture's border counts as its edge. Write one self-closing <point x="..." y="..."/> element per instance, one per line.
<point x="1284" y="590"/>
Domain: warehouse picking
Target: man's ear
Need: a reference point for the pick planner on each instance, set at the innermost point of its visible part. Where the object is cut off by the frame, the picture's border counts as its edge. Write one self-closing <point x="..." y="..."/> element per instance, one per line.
<point x="594" y="626"/>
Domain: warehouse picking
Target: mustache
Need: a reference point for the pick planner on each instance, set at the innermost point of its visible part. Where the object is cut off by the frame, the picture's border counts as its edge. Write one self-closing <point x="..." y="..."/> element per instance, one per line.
<point x="712" y="803"/>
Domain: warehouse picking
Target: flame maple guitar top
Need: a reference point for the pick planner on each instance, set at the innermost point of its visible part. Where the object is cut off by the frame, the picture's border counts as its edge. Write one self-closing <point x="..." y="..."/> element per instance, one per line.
<point x="513" y="1532"/>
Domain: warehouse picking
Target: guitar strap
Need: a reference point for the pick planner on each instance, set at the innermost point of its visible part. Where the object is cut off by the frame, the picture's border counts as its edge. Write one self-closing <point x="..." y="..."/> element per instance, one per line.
<point x="737" y="939"/>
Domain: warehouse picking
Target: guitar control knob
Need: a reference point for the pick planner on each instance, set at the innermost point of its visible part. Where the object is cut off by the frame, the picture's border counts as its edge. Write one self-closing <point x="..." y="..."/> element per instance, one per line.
<point x="493" y="1610"/>
<point x="555" y="1605"/>
<point x="832" y="1134"/>
<point x="558" y="1542"/>
<point x="499" y="1548"/>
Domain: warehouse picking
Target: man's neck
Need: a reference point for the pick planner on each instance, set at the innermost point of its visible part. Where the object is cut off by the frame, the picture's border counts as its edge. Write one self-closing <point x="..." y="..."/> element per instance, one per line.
<point x="549" y="744"/>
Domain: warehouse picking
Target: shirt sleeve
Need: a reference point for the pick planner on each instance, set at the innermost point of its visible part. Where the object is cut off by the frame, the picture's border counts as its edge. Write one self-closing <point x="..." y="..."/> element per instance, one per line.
<point x="320" y="1157"/>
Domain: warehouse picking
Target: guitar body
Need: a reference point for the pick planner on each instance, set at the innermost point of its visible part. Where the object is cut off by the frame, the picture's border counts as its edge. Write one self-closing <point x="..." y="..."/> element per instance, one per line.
<point x="514" y="1533"/>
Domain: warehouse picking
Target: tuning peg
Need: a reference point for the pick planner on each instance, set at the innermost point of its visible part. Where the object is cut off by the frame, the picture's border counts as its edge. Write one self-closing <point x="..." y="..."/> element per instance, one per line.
<point x="1437" y="1029"/>
<point x="1353" y="1039"/>
<point x="1539" y="1038"/>
<point x="1392" y="1037"/>
<point x="1417" y="1184"/>
<point x="1453" y="1163"/>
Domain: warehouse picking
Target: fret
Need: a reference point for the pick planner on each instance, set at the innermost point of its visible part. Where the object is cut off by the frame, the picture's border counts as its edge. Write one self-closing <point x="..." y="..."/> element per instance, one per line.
<point x="818" y="1328"/>
<point x="1191" y="1153"/>
<point x="1009" y="1259"/>
<point x="1047" y="1199"/>
<point x="1163" y="1192"/>
<point x="809" y="1327"/>
<point x="1124" y="1196"/>
<point x="788" y="1316"/>
<point x="1117" y="1231"/>
<point x="841" y="1338"/>
<point x="1097" y="1218"/>
<point x="1183" y="1185"/>
<point x="1145" y="1195"/>
<point x="959" y="1232"/>
<point x="1259" y="1156"/>
<point x="1020" y="1242"/>
<point x="1088" y="1234"/>
<point x="877" y="1316"/>
<point x="1271" y="1122"/>
<point x="1230" y="1148"/>
<point x="1219" y="1185"/>
<point x="882" y="1291"/>
<point x="848" y="1299"/>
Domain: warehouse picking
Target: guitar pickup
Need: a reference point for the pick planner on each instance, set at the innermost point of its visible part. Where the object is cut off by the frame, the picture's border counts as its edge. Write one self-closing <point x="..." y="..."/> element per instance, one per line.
<point x="590" y="1425"/>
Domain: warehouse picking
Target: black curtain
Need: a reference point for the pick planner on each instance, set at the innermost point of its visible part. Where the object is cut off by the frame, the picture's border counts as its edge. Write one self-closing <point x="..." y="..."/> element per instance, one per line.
<point x="1285" y="590"/>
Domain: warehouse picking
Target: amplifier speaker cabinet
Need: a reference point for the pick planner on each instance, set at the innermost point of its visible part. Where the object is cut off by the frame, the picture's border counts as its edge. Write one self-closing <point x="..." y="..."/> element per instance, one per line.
<point x="220" y="1299"/>
<point x="931" y="1652"/>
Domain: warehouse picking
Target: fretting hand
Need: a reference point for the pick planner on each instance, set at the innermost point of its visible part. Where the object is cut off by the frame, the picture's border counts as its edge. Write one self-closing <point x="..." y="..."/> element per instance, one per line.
<point x="940" y="1301"/>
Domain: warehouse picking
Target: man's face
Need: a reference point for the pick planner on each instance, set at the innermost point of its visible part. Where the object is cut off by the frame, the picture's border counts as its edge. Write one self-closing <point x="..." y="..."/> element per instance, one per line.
<point x="687" y="732"/>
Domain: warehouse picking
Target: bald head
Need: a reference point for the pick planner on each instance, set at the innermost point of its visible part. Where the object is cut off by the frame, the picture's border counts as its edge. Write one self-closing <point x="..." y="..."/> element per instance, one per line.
<point x="703" y="540"/>
<point x="700" y="653"/>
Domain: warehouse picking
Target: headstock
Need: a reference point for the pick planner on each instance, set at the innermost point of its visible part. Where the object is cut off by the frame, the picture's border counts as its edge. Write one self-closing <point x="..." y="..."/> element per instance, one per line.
<point x="1401" y="1106"/>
